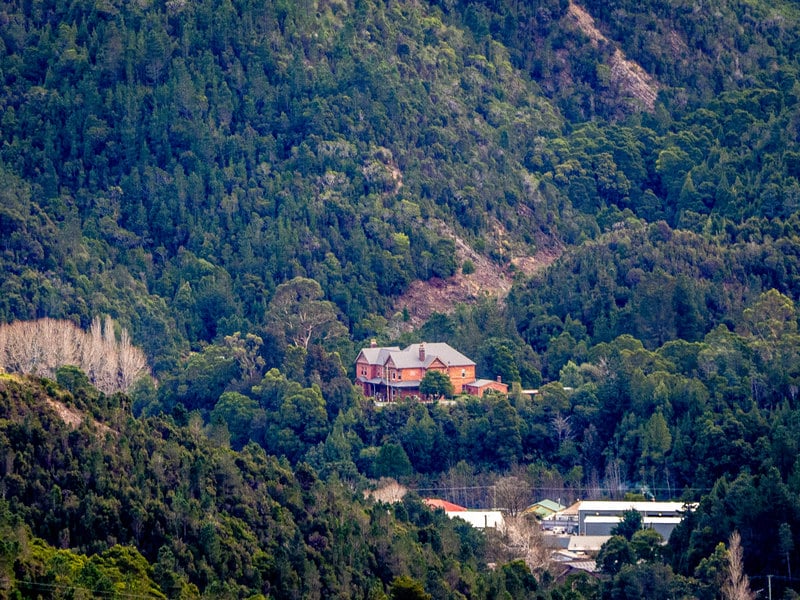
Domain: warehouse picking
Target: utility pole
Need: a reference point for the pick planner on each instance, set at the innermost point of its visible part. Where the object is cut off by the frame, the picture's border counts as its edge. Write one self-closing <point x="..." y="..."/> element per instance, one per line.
<point x="769" y="586"/>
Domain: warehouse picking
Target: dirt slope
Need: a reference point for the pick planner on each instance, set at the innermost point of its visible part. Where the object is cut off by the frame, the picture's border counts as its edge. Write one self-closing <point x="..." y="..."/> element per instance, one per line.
<point x="625" y="73"/>
<point x="423" y="298"/>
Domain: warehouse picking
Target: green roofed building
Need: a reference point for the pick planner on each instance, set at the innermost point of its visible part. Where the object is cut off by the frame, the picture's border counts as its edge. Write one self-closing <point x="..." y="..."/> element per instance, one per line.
<point x="544" y="508"/>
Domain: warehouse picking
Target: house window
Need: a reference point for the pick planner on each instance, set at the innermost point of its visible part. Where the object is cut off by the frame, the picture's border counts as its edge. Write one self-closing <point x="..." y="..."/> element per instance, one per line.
<point x="394" y="375"/>
<point x="463" y="372"/>
<point x="399" y="375"/>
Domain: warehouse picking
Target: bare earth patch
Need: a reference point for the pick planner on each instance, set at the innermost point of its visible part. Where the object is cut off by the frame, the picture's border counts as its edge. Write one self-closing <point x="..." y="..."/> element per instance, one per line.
<point x="627" y="74"/>
<point x="74" y="418"/>
<point x="70" y="416"/>
<point x="423" y="298"/>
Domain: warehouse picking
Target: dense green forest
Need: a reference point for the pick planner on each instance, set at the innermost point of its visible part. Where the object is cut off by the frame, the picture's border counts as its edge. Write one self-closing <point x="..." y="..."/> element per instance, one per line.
<point x="250" y="188"/>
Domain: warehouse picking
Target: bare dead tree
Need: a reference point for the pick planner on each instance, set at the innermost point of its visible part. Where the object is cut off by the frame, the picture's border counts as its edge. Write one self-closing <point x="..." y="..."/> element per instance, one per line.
<point x="562" y="427"/>
<point x="523" y="539"/>
<point x="388" y="490"/>
<point x="110" y="362"/>
<point x="35" y="346"/>
<point x="40" y="347"/>
<point x="613" y="478"/>
<point x="132" y="362"/>
<point x="593" y="486"/>
<point x="12" y="349"/>
<point x="67" y="337"/>
<point x="737" y="584"/>
<point x="512" y="495"/>
<point x="91" y="353"/>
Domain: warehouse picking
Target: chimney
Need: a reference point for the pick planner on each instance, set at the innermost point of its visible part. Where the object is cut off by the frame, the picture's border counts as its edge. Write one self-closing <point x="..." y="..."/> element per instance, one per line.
<point x="373" y="344"/>
<point x="499" y="379"/>
<point x="422" y="352"/>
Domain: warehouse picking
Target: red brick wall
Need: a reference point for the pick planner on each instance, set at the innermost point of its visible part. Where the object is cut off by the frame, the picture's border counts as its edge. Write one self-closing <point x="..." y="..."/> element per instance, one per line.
<point x="494" y="385"/>
<point x="460" y="376"/>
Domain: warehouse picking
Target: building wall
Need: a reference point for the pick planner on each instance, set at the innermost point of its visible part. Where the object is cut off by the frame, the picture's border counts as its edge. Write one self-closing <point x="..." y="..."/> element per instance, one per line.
<point x="480" y="391"/>
<point x="363" y="369"/>
<point x="368" y="371"/>
<point x="410" y="374"/>
<point x="593" y="529"/>
<point x="460" y="375"/>
<point x="497" y="387"/>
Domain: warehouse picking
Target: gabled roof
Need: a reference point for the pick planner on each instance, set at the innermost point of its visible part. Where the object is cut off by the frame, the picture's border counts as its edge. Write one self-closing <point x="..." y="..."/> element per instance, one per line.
<point x="444" y="352"/>
<point x="408" y="358"/>
<point x="447" y="506"/>
<point x="572" y="510"/>
<point x="550" y="504"/>
<point x="376" y="355"/>
<point x="544" y="508"/>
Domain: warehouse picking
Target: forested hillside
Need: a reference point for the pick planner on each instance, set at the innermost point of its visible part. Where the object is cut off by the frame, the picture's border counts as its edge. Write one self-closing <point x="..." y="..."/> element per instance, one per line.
<point x="205" y="518"/>
<point x="250" y="188"/>
<point x="201" y="154"/>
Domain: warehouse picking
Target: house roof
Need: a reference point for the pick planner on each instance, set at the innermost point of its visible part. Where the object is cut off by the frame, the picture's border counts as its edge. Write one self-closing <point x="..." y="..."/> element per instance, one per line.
<point x="479" y="383"/>
<point x="377" y="355"/>
<point x="403" y="383"/>
<point x="447" y="506"/>
<point x="544" y="508"/>
<point x="572" y="510"/>
<point x="405" y="360"/>
<point x="409" y="357"/>
<point x="407" y="383"/>
<point x="550" y="504"/>
<point x="373" y="381"/>
<point x="615" y="519"/>
<point x="590" y="566"/>
<point x="651" y="508"/>
<point x="587" y="543"/>
<point x="444" y="352"/>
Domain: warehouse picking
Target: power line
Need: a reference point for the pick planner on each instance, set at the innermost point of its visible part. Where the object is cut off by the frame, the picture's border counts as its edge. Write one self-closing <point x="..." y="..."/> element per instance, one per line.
<point x="555" y="488"/>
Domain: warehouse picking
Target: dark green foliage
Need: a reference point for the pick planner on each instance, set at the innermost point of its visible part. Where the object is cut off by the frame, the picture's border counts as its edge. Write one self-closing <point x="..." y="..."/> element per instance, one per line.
<point x="150" y="152"/>
<point x="647" y="545"/>
<point x="655" y="581"/>
<point x="497" y="359"/>
<point x="630" y="524"/>
<point x="614" y="555"/>
<point x="436" y="384"/>
<point x="205" y="518"/>
<point x="392" y="461"/>
<point x="654" y="283"/>
<point x="519" y="581"/>
<point x="154" y="151"/>
<point x="405" y="588"/>
<point x="180" y="166"/>
<point x="73" y="379"/>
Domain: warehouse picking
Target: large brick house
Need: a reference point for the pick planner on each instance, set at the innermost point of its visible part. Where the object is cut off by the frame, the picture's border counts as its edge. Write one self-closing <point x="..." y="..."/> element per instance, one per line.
<point x="389" y="373"/>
